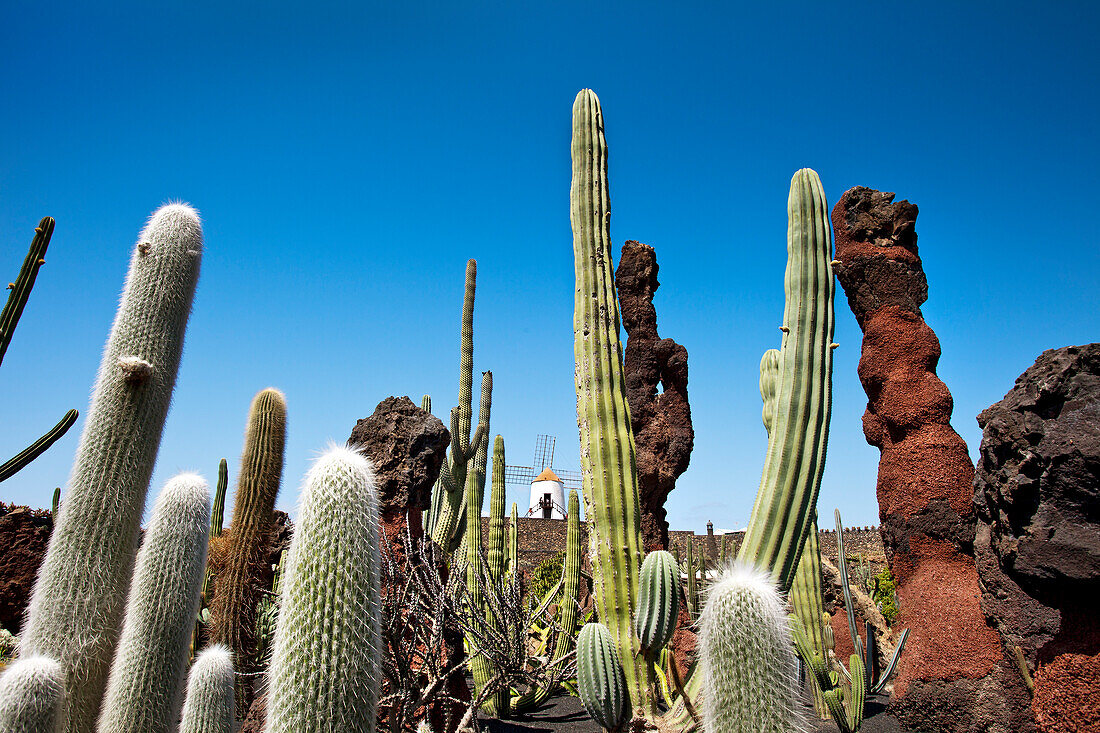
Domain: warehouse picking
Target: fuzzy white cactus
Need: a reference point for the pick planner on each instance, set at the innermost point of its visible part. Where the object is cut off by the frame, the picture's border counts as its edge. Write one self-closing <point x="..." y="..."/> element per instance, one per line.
<point x="208" y="707"/>
<point x="32" y="696"/>
<point x="325" y="671"/>
<point x="144" y="692"/>
<point x="76" y="610"/>
<point x="747" y="661"/>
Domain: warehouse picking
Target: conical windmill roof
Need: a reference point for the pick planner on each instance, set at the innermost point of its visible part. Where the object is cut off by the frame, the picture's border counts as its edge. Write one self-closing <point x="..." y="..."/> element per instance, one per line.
<point x="547" y="475"/>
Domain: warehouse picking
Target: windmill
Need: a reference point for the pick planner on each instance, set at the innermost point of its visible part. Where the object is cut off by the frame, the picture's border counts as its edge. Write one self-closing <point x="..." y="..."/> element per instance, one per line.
<point x="548" y="504"/>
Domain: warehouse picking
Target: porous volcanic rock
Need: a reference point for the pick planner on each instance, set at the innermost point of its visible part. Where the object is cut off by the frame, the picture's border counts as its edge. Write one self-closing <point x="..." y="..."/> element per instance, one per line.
<point x="24" y="535"/>
<point x="660" y="421"/>
<point x="1037" y="487"/>
<point x="1067" y="694"/>
<point x="407" y="446"/>
<point x="954" y="660"/>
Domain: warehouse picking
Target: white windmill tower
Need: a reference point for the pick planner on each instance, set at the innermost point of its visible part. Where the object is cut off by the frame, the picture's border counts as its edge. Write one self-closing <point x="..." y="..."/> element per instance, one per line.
<point x="547" y="489"/>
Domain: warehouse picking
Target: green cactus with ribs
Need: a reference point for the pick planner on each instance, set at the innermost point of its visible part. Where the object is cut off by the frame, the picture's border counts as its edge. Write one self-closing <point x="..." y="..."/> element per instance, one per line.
<point x="788" y="488"/>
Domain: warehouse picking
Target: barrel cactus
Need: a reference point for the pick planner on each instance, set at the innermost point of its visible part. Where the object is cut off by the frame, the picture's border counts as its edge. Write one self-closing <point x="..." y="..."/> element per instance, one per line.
<point x="658" y="600"/>
<point x="600" y="679"/>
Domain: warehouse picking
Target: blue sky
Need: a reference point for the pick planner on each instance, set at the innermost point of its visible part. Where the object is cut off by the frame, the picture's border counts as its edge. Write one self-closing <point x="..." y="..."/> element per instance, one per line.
<point x="348" y="159"/>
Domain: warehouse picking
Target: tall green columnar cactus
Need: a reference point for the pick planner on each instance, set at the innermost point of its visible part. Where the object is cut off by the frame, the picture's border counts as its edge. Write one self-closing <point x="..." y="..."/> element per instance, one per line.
<point x="808" y="605"/>
<point x="497" y="494"/>
<point x="76" y="610"/>
<point x="448" y="508"/>
<point x="209" y="706"/>
<point x="9" y="318"/>
<point x="32" y="696"/>
<point x="147" y="677"/>
<point x="806" y="599"/>
<point x="500" y="702"/>
<point x="796" y="451"/>
<point x="609" y="473"/>
<point x="692" y="586"/>
<point x="331" y="609"/>
<point x="238" y="587"/>
<point x="568" y="605"/>
<point x="746" y="661"/>
<point x="513" y="540"/>
<point x="480" y="668"/>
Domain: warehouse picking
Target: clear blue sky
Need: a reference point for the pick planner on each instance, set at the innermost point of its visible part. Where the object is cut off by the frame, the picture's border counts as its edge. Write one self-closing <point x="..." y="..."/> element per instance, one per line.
<point x="348" y="159"/>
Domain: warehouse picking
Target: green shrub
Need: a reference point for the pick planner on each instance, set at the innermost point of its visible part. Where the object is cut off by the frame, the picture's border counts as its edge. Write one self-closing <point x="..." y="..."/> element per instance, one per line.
<point x="885" y="596"/>
<point x="544" y="577"/>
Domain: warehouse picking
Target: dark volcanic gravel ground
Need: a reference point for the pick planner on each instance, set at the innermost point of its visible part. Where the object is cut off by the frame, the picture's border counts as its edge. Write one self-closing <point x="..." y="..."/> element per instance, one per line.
<point x="564" y="714"/>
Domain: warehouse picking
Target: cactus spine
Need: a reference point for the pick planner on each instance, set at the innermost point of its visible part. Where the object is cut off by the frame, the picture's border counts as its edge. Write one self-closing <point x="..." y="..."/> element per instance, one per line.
<point x="147" y="677"/>
<point x="799" y="433"/>
<point x="658" y="600"/>
<point x="209" y="707"/>
<point x="609" y="473"/>
<point x="237" y="589"/>
<point x="32" y="696"/>
<point x="747" y="666"/>
<point x="76" y="609"/>
<point x="600" y="678"/>
<point x="331" y="607"/>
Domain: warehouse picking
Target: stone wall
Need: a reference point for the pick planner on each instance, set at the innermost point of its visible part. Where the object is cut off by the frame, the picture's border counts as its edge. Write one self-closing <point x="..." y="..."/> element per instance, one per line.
<point x="540" y="539"/>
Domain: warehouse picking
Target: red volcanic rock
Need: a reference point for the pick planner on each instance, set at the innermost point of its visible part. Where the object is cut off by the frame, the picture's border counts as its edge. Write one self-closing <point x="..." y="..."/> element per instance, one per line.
<point x="660" y="421"/>
<point x="24" y="535"/>
<point x="1067" y="695"/>
<point x="953" y="675"/>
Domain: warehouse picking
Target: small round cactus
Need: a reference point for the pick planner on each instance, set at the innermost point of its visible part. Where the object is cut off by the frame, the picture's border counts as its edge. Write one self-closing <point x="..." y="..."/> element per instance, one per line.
<point x="600" y="678"/>
<point x="658" y="600"/>
<point x="209" y="704"/>
<point x="32" y="696"/>
<point x="750" y="681"/>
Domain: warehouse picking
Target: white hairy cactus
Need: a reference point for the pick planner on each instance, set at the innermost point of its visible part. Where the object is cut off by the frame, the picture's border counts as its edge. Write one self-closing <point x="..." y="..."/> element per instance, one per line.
<point x="146" y="682"/>
<point x="76" y="610"/>
<point x="208" y="707"/>
<point x="32" y="696"/>
<point x="749" y="672"/>
<point x="325" y="669"/>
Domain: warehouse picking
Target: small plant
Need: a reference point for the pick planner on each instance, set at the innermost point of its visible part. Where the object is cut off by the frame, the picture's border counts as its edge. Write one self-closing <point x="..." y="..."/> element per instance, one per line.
<point x="544" y="577"/>
<point x="886" y="596"/>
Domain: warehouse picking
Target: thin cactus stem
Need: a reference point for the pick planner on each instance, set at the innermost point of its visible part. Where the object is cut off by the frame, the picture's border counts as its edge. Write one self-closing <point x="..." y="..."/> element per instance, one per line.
<point x="217" y="517"/>
<point x="24" y="282"/>
<point x="513" y="541"/>
<point x="18" y="462"/>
